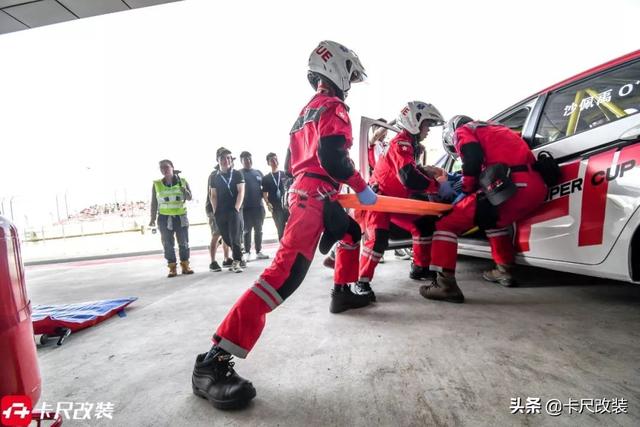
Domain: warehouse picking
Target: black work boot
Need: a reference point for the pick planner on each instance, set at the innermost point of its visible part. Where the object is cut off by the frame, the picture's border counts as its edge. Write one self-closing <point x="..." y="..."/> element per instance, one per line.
<point x="342" y="299"/>
<point x="364" y="288"/>
<point x="500" y="274"/>
<point x="420" y="273"/>
<point x="215" y="379"/>
<point x="443" y="288"/>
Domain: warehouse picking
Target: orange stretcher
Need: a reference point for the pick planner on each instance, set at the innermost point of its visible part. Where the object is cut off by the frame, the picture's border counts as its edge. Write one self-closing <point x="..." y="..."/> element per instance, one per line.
<point x="395" y="205"/>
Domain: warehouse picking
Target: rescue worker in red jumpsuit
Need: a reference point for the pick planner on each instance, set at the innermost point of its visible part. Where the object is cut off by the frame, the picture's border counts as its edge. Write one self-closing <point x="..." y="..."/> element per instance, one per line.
<point x="500" y="186"/>
<point x="318" y="159"/>
<point x="397" y="174"/>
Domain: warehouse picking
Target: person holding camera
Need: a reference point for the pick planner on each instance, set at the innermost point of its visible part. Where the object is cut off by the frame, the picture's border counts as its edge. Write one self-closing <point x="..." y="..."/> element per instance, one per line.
<point x="168" y="196"/>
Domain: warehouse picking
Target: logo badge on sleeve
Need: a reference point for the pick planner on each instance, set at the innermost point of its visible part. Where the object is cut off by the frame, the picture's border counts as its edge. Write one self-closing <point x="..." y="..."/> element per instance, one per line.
<point x="340" y="112"/>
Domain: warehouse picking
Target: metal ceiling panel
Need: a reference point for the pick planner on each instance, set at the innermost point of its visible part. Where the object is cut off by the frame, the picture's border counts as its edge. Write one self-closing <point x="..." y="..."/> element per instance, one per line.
<point x="40" y="13"/>
<point x="5" y="3"/>
<point x="18" y="15"/>
<point x="145" y="3"/>
<point x="8" y="24"/>
<point x="86" y="8"/>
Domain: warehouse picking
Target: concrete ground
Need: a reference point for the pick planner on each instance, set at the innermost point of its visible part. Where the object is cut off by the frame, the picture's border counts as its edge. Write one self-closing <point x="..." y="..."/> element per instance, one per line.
<point x="404" y="361"/>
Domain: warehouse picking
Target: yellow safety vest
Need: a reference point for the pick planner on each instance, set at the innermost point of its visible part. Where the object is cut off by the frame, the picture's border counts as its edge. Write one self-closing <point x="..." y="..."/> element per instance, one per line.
<point x="170" y="199"/>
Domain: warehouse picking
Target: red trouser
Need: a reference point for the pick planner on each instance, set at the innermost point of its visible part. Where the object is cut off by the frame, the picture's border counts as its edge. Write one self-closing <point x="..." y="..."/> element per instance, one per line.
<point x="242" y="326"/>
<point x="347" y="254"/>
<point x="463" y="217"/>
<point x="375" y="222"/>
<point x="346" y="265"/>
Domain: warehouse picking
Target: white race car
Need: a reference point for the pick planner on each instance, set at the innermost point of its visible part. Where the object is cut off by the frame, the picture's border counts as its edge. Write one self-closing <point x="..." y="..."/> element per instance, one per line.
<point x="590" y="222"/>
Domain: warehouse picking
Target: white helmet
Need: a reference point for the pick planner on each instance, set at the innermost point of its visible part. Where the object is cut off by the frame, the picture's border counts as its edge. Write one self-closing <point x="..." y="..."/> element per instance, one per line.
<point x="415" y="112"/>
<point x="448" y="133"/>
<point x="337" y="63"/>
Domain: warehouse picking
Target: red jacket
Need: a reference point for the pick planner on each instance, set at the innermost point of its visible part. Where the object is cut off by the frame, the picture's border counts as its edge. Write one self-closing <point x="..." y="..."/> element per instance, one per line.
<point x="482" y="144"/>
<point x="324" y="120"/>
<point x="397" y="174"/>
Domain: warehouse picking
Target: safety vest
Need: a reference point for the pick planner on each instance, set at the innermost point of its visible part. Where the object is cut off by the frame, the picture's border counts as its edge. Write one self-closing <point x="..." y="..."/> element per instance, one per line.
<point x="170" y="199"/>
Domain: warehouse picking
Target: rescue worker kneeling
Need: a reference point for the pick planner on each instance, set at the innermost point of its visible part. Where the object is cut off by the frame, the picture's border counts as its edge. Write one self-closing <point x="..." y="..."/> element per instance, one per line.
<point x="397" y="174"/>
<point x="500" y="185"/>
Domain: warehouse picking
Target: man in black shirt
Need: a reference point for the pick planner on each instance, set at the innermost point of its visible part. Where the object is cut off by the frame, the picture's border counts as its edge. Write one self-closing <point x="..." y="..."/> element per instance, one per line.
<point x="226" y="192"/>
<point x="252" y="208"/>
<point x="273" y="192"/>
<point x="215" y="232"/>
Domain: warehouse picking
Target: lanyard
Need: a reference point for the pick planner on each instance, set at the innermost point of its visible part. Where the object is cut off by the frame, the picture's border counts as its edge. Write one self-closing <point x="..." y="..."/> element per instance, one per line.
<point x="278" y="192"/>
<point x="274" y="180"/>
<point x="228" y="183"/>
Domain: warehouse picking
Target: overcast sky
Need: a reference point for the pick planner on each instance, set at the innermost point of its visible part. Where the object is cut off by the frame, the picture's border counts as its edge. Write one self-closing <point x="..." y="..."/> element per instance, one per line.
<point x="90" y="106"/>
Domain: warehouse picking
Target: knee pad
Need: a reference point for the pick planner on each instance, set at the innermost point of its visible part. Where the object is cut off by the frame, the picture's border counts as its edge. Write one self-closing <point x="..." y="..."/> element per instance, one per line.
<point x="354" y="230"/>
<point x="382" y="240"/>
<point x="426" y="225"/>
<point x="397" y="233"/>
<point x="486" y="214"/>
<point x="336" y="224"/>
<point x="296" y="276"/>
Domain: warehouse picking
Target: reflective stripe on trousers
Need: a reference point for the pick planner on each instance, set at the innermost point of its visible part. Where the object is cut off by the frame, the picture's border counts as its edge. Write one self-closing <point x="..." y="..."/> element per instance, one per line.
<point x="241" y="328"/>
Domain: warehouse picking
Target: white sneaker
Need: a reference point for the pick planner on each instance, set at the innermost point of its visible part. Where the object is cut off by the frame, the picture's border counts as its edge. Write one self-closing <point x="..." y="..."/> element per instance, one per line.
<point x="402" y="254"/>
<point x="235" y="267"/>
<point x="260" y="255"/>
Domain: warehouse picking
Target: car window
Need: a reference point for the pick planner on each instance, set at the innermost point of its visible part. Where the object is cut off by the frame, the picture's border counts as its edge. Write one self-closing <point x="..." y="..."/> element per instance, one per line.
<point x="591" y="103"/>
<point x="368" y="128"/>
<point x="516" y="119"/>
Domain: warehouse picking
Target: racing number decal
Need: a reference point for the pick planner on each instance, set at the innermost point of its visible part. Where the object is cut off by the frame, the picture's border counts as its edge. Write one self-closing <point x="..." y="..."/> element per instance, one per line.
<point x="594" y="189"/>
